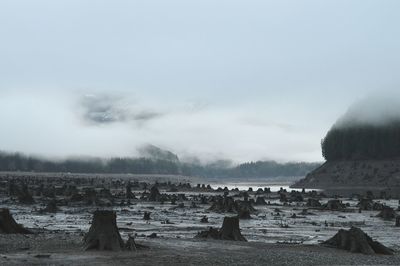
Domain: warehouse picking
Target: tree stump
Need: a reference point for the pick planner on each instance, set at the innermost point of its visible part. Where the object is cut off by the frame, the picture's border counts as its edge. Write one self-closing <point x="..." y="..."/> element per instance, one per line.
<point x="334" y="205"/>
<point x="24" y="196"/>
<point x="313" y="203"/>
<point x="397" y="221"/>
<point x="146" y="216"/>
<point x="129" y="194"/>
<point x="355" y="240"/>
<point x="130" y="244"/>
<point x="103" y="233"/>
<point x="260" y="201"/>
<point x="230" y="229"/>
<point x="8" y="225"/>
<point x="365" y="204"/>
<point x="51" y="207"/>
<point x="387" y="213"/>
<point x="154" y="194"/>
<point x="204" y="219"/>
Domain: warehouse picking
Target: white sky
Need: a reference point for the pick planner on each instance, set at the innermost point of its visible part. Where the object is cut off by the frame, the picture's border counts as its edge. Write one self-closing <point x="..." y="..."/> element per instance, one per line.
<point x="244" y="80"/>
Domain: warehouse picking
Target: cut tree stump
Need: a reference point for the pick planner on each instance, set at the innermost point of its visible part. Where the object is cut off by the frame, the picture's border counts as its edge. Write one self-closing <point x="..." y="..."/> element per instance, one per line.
<point x="24" y="196"/>
<point x="51" y="207"/>
<point x="104" y="234"/>
<point x="229" y="231"/>
<point x="355" y="240"/>
<point x="8" y="225"/>
<point x="387" y="213"/>
<point x="154" y="194"/>
<point x="397" y="224"/>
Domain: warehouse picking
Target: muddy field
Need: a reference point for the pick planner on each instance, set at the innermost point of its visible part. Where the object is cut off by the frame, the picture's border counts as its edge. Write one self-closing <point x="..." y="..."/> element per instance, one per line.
<point x="282" y="227"/>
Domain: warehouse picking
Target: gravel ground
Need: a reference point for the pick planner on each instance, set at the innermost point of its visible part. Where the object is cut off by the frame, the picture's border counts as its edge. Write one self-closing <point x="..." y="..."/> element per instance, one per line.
<point x="66" y="249"/>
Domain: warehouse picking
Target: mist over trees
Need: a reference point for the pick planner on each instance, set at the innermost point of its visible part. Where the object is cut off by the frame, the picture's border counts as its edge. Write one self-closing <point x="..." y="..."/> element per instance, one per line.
<point x="218" y="169"/>
<point x="361" y="142"/>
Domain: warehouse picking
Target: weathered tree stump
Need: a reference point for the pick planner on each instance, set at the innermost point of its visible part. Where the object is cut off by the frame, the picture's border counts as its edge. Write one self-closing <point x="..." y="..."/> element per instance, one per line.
<point x="210" y="233"/>
<point x="129" y="194"/>
<point x="51" y="207"/>
<point x="397" y="221"/>
<point x="8" y="225"/>
<point x="365" y="204"/>
<point x="334" y="205"/>
<point x="154" y="194"/>
<point x="355" y="240"/>
<point x="24" y="196"/>
<point x="130" y="244"/>
<point x="387" y="213"/>
<point x="103" y="233"/>
<point x="313" y="203"/>
<point x="204" y="219"/>
<point x="146" y="216"/>
<point x="260" y="201"/>
<point x="230" y="229"/>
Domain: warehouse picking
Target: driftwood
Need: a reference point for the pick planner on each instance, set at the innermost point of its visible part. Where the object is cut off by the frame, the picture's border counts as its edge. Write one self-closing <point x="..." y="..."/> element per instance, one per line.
<point x="355" y="240"/>
<point x="104" y="234"/>
<point x="229" y="231"/>
<point x="8" y="225"/>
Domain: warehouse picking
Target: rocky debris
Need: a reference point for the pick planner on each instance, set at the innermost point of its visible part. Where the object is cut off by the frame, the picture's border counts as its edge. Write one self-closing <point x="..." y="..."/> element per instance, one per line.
<point x="8" y="225"/>
<point x="387" y="213"/>
<point x="103" y="233"/>
<point x="229" y="231"/>
<point x="355" y="240"/>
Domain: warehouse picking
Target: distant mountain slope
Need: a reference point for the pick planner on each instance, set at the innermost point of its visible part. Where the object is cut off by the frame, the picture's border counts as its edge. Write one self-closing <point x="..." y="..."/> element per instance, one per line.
<point x="352" y="174"/>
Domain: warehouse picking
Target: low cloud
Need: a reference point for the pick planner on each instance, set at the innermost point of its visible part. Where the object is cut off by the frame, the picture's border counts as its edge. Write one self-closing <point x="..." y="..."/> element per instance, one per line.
<point x="377" y="109"/>
<point x="100" y="109"/>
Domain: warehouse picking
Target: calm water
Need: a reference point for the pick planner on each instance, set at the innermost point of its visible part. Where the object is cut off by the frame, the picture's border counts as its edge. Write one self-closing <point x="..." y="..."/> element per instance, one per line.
<point x="275" y="186"/>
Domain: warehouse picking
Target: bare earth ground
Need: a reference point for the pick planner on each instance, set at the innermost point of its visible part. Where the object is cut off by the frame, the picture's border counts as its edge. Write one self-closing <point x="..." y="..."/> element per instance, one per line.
<point x="66" y="249"/>
<point x="58" y="236"/>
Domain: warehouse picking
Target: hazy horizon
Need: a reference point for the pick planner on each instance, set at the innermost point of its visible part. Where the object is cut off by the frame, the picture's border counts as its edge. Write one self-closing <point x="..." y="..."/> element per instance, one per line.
<point x="239" y="80"/>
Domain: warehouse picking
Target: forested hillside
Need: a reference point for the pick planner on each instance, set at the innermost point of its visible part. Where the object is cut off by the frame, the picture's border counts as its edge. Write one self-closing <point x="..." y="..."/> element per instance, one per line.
<point x="362" y="142"/>
<point x="19" y="162"/>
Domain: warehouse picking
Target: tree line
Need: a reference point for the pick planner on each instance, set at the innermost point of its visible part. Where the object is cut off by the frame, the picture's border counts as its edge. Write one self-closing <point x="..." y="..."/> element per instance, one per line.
<point x="23" y="163"/>
<point x="362" y="142"/>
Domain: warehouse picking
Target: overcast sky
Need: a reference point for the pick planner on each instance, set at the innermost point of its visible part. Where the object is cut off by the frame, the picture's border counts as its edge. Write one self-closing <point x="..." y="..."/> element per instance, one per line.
<point x="244" y="80"/>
